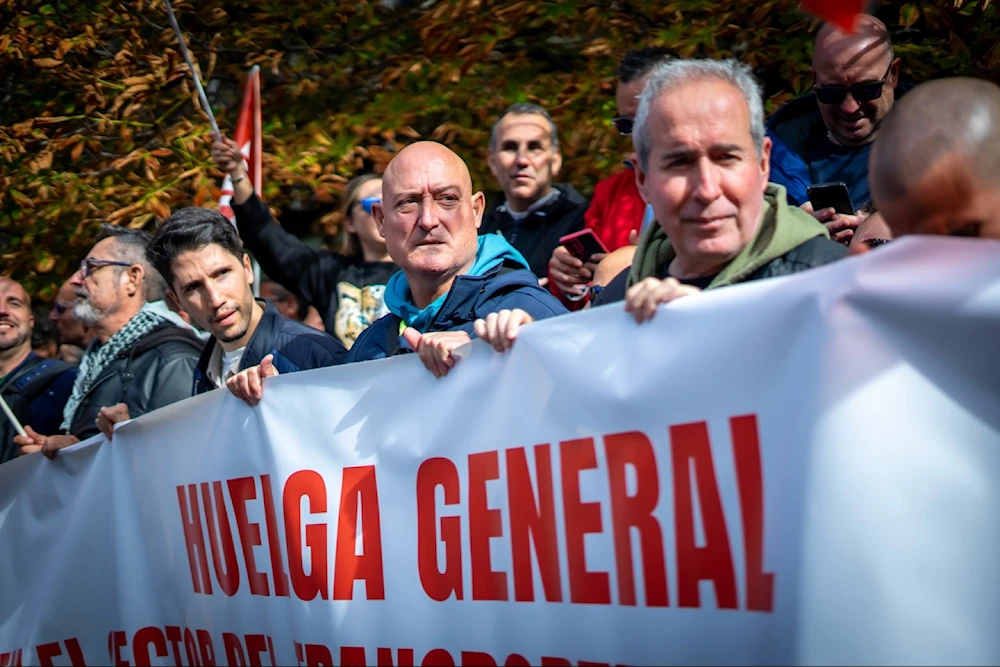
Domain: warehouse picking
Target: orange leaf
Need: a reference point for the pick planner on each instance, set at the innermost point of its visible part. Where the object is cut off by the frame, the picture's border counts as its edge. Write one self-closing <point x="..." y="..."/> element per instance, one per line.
<point x="45" y="264"/>
<point x="48" y="62"/>
<point x="161" y="152"/>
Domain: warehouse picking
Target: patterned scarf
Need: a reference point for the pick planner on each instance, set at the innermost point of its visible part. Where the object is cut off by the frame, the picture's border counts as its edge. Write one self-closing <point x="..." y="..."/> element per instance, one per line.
<point x="98" y="357"/>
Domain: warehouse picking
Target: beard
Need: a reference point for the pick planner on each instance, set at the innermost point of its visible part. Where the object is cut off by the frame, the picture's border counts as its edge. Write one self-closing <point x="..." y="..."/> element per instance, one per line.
<point x="6" y="345"/>
<point x="89" y="314"/>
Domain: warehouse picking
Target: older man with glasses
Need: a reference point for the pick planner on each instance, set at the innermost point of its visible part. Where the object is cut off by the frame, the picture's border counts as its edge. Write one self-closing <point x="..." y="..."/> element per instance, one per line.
<point x="826" y="136"/>
<point x="137" y="357"/>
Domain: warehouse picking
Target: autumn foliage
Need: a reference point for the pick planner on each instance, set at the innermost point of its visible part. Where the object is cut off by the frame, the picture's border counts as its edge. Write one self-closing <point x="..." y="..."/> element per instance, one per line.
<point x="99" y="120"/>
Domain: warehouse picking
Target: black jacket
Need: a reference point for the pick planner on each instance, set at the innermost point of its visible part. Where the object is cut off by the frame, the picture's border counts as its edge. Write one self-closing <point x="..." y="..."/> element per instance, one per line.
<point x="537" y="235"/>
<point x="814" y="252"/>
<point x="347" y="291"/>
<point x="36" y="392"/>
<point x="295" y="346"/>
<point x="155" y="371"/>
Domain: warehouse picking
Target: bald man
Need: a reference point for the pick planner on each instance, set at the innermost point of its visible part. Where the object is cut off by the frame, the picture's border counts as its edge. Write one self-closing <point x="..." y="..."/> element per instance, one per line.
<point x="826" y="136"/>
<point x="450" y="277"/>
<point x="935" y="168"/>
<point x="36" y="389"/>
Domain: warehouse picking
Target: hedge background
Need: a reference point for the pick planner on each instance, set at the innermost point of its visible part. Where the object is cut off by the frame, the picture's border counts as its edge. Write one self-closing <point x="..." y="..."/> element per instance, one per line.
<point x="99" y="120"/>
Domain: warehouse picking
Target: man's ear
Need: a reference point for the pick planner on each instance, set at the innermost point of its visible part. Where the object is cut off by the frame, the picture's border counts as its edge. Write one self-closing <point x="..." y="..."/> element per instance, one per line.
<point x="134" y="277"/>
<point x="765" y="162"/>
<point x="379" y="216"/>
<point x="556" y="163"/>
<point x="640" y="181"/>
<point x="494" y="165"/>
<point x="248" y="268"/>
<point x="893" y="77"/>
<point x="478" y="208"/>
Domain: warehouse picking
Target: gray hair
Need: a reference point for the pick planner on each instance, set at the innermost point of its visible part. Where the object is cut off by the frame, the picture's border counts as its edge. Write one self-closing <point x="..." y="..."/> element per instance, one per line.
<point x="525" y="109"/>
<point x="675" y="72"/>
<point x="131" y="246"/>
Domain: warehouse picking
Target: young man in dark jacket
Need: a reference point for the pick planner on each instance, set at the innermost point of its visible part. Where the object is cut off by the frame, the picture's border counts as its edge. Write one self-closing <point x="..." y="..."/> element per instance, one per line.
<point x="533" y="213"/>
<point x="138" y="357"/>
<point x="449" y="278"/>
<point x="200" y="255"/>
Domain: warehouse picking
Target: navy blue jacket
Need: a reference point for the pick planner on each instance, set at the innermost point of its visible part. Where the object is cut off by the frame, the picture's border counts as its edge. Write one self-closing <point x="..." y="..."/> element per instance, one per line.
<point x="36" y="392"/>
<point x="793" y="128"/>
<point x="295" y="346"/>
<point x="469" y="299"/>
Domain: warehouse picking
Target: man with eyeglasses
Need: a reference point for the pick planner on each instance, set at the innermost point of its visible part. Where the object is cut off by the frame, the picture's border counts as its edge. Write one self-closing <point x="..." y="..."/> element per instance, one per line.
<point x="72" y="331"/>
<point x="138" y="357"/>
<point x="533" y="212"/>
<point x="826" y="136"/>
<point x="616" y="212"/>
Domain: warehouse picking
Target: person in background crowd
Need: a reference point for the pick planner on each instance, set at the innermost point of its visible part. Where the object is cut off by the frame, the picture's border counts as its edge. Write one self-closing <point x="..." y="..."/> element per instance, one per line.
<point x="449" y="278"/>
<point x="289" y="305"/>
<point x="703" y="166"/>
<point x="871" y="233"/>
<point x="35" y="388"/>
<point x="347" y="285"/>
<point x="44" y="336"/>
<point x="827" y="135"/>
<point x="74" y="335"/>
<point x="534" y="213"/>
<point x="209" y="274"/>
<point x="616" y="211"/>
<point x="935" y="168"/>
<point x="137" y="357"/>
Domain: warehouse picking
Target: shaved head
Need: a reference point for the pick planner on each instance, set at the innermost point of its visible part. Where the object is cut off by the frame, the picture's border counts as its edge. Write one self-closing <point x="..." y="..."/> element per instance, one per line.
<point x="936" y="165"/>
<point x="420" y="156"/>
<point x="842" y="60"/>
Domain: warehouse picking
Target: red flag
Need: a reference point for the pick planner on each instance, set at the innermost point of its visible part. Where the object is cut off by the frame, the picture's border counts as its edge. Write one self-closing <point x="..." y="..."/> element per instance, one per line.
<point x="841" y="13"/>
<point x="248" y="137"/>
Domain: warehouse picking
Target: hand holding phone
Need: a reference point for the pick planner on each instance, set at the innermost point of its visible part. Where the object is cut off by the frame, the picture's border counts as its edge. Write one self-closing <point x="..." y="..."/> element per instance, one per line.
<point x="831" y="195"/>
<point x="583" y="244"/>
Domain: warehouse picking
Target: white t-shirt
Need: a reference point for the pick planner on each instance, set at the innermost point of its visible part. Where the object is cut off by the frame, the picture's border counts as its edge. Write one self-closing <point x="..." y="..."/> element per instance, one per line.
<point x="223" y="365"/>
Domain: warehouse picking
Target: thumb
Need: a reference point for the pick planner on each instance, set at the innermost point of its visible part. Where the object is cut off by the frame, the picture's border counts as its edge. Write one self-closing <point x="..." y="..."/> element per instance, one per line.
<point x="412" y="337"/>
<point x="633" y="237"/>
<point x="32" y="433"/>
<point x="267" y="368"/>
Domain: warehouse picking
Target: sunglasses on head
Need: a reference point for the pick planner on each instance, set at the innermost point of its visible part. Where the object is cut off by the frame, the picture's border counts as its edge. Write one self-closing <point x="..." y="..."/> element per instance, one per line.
<point x="367" y="203"/>
<point x="623" y="124"/>
<point x="861" y="92"/>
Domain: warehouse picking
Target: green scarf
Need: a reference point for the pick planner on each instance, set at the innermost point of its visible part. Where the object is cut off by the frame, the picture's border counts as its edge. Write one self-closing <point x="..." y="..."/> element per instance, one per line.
<point x="782" y="228"/>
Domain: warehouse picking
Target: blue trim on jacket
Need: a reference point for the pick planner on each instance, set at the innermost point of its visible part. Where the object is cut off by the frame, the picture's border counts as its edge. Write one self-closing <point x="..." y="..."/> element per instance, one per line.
<point x="470" y="298"/>
<point x="295" y="346"/>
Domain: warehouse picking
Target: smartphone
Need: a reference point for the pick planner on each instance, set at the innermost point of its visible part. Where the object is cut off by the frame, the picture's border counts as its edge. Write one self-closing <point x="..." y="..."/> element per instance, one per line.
<point x="583" y="244"/>
<point x="831" y="195"/>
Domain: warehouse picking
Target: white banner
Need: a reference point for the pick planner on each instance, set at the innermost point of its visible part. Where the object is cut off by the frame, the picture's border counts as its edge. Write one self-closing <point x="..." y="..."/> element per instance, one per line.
<point x="799" y="470"/>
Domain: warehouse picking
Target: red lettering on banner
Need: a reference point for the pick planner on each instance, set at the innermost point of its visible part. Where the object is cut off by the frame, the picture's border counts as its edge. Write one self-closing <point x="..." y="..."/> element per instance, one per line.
<point x="175" y="638"/>
<point x="143" y="639"/>
<point x="359" y="489"/>
<point x="555" y="662"/>
<point x="352" y="656"/>
<point x="241" y="491"/>
<point x="306" y="484"/>
<point x="404" y="657"/>
<point x="191" y="648"/>
<point x="317" y="655"/>
<point x="438" y="658"/>
<point x="478" y="659"/>
<point x="278" y="575"/>
<point x="234" y="650"/>
<point x="206" y="648"/>
<point x="484" y="523"/>
<point x="46" y="652"/>
<point x="714" y="561"/>
<point x="515" y="660"/>
<point x="581" y="518"/>
<point x="533" y="520"/>
<point x="11" y="659"/>
<point x="438" y="584"/>
<point x="195" y="539"/>
<point x="750" y="480"/>
<point x="256" y="646"/>
<point x="219" y="531"/>
<point x="634" y="449"/>
<point x="117" y="639"/>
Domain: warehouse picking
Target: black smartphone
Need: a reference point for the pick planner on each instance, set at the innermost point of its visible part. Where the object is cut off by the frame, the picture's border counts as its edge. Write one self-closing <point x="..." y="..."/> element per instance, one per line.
<point x="831" y="195"/>
<point x="583" y="244"/>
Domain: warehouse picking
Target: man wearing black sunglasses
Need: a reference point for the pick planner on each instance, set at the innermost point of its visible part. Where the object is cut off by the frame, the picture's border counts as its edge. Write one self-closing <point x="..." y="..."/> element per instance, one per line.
<point x="827" y="135"/>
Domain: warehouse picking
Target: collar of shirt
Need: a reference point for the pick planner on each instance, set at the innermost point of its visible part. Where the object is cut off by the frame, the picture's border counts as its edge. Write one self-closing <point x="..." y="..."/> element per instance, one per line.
<point x="540" y="203"/>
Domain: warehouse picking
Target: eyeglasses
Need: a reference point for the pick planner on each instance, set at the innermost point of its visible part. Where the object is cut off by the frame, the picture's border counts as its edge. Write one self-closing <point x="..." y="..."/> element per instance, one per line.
<point x="874" y="243"/>
<point x="368" y="202"/>
<point x="89" y="265"/>
<point x="623" y="124"/>
<point x="61" y="307"/>
<point x="861" y="92"/>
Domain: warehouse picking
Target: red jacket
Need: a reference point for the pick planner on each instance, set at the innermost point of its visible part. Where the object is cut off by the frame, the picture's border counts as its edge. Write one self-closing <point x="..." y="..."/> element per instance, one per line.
<point x="615" y="210"/>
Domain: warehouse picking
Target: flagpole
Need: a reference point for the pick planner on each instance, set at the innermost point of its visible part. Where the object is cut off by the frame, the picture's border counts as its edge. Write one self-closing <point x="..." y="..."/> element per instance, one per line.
<point x="194" y="74"/>
<point x="12" y="418"/>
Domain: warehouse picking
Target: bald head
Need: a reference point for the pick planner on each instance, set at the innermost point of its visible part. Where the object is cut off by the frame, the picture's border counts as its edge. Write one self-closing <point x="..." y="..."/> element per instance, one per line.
<point x="936" y="165"/>
<point x="12" y="287"/>
<point x="844" y="49"/>
<point x="429" y="217"/>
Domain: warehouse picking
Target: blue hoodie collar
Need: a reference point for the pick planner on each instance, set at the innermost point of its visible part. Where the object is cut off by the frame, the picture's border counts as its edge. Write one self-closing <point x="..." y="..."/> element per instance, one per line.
<point x="492" y="250"/>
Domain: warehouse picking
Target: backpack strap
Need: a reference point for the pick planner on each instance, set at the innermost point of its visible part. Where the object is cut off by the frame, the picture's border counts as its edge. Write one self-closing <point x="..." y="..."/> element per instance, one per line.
<point x="37" y="380"/>
<point x="25" y="369"/>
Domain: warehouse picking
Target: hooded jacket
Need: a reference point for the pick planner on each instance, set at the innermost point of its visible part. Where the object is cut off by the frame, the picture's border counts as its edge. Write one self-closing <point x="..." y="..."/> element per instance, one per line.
<point x="295" y="346"/>
<point x="795" y="129"/>
<point x="538" y="234"/>
<point x="498" y="280"/>
<point x="788" y="240"/>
